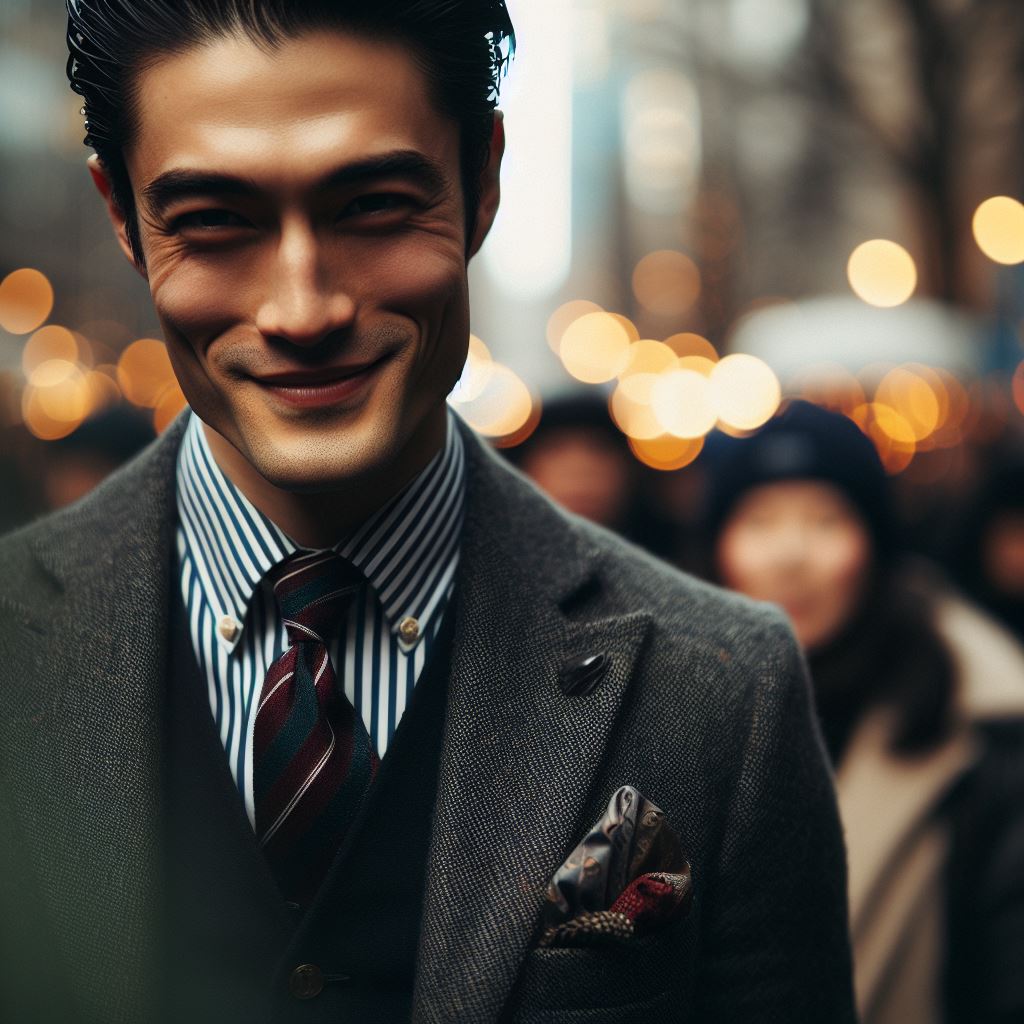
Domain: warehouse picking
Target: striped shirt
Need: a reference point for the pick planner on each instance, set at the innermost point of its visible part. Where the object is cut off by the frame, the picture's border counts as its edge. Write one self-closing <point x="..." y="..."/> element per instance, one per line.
<point x="408" y="552"/>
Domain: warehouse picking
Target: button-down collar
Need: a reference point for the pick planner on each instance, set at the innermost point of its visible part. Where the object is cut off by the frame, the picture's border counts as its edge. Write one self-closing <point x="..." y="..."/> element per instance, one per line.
<point x="408" y="550"/>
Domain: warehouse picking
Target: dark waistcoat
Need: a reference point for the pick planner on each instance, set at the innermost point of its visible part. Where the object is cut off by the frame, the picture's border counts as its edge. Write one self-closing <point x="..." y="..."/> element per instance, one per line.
<point x="234" y="951"/>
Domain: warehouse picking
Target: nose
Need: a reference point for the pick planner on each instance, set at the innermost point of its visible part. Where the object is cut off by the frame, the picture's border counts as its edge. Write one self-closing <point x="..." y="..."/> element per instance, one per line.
<point x="304" y="303"/>
<point x="791" y="543"/>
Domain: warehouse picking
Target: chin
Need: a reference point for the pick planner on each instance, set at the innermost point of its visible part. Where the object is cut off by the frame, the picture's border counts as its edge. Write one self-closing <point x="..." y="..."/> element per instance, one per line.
<point x="313" y="476"/>
<point x="317" y="465"/>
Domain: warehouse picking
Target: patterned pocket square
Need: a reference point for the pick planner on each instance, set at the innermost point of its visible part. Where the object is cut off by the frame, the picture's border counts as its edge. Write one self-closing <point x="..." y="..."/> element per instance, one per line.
<point x="627" y="877"/>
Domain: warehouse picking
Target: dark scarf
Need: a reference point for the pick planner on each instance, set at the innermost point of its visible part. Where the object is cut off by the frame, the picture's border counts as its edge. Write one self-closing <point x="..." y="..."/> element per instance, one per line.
<point x="890" y="654"/>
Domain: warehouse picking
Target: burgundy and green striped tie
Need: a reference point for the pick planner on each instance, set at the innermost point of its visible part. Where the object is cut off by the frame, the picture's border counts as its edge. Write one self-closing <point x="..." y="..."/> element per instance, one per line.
<point x="313" y="760"/>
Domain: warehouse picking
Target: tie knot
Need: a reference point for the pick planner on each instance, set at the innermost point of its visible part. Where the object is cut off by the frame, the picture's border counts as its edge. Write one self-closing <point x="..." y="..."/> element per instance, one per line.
<point x="313" y="590"/>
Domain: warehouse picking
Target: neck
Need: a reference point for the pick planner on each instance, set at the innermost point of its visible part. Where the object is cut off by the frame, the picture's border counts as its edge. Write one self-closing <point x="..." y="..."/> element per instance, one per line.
<point x="320" y="519"/>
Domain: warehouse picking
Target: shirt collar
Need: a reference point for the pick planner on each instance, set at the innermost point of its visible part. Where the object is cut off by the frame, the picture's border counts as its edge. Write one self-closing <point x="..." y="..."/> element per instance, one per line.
<point x="408" y="550"/>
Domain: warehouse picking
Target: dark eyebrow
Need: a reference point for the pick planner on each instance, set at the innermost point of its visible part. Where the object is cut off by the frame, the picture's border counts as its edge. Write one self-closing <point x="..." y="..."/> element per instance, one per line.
<point x="183" y="184"/>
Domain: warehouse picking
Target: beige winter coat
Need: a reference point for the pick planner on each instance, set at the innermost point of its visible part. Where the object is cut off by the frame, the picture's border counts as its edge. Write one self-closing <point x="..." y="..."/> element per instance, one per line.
<point x="897" y="843"/>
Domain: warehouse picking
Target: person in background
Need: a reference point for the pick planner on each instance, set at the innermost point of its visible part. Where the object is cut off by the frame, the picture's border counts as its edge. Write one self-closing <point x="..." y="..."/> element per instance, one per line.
<point x="579" y="458"/>
<point x="921" y="701"/>
<point x="988" y="557"/>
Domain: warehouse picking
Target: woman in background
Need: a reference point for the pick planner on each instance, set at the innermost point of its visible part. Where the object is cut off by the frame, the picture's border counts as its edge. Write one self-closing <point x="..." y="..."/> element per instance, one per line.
<point x="921" y="703"/>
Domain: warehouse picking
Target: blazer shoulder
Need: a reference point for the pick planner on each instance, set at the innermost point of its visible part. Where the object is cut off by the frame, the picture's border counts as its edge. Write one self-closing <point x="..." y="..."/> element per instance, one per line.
<point x="128" y="508"/>
<point x="18" y="563"/>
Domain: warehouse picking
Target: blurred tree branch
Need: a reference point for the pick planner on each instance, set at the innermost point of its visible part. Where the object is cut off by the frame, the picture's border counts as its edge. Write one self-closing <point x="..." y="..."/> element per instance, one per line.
<point x="937" y="85"/>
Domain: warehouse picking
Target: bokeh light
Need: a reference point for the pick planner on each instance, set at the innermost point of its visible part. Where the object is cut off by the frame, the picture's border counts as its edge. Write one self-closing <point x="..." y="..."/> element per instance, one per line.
<point x="911" y="396"/>
<point x="630" y="406"/>
<point x="999" y="229"/>
<point x="39" y="422"/>
<point x="26" y="299"/>
<point x="666" y="282"/>
<point x="699" y="364"/>
<point x="891" y="434"/>
<point x="88" y="353"/>
<point x="475" y="373"/>
<point x="687" y="343"/>
<point x="103" y="390"/>
<point x="595" y="348"/>
<point x="682" y="403"/>
<point x="882" y="273"/>
<point x="565" y="315"/>
<point x="144" y="372"/>
<point x="50" y="342"/>
<point x="647" y="356"/>
<point x="52" y="372"/>
<point x="62" y="391"/>
<point x="57" y="398"/>
<point x="632" y="332"/>
<point x="167" y="407"/>
<point x="503" y="408"/>
<point x="666" y="452"/>
<point x="744" y="391"/>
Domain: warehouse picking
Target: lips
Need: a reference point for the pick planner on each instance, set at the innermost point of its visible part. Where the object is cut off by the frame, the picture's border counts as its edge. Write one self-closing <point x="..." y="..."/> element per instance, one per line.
<point x="322" y="387"/>
<point x="316" y="377"/>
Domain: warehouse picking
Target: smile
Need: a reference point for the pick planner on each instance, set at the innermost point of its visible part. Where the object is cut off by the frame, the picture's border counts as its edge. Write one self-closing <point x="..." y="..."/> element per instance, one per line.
<point x="324" y="387"/>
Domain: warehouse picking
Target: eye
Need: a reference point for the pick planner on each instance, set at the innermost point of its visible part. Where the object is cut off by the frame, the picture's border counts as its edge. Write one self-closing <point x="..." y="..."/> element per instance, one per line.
<point x="209" y="220"/>
<point x="376" y="203"/>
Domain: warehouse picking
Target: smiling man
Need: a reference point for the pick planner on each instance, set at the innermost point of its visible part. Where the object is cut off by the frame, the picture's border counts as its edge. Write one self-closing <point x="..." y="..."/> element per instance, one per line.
<point x="316" y="711"/>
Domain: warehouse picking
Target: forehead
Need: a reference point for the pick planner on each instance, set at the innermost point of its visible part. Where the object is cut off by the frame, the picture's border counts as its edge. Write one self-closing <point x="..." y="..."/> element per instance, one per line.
<point x="796" y="495"/>
<point x="289" y="112"/>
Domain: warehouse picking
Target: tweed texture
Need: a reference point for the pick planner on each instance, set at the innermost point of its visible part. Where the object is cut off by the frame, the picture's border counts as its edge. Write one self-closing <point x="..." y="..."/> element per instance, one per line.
<point x="704" y="708"/>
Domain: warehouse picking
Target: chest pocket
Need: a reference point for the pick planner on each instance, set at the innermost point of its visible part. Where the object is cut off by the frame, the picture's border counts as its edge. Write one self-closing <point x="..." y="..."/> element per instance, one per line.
<point x="619" y="984"/>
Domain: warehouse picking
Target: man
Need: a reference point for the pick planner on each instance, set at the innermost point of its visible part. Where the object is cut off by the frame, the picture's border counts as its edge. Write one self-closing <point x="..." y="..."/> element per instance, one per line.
<point x="307" y="706"/>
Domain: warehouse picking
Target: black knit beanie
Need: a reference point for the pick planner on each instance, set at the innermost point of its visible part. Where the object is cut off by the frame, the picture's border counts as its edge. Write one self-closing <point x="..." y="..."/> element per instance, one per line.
<point x="805" y="442"/>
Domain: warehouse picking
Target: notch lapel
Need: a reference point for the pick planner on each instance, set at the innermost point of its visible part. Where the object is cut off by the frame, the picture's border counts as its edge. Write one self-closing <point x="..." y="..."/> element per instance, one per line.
<point x="90" y="665"/>
<point x="520" y="759"/>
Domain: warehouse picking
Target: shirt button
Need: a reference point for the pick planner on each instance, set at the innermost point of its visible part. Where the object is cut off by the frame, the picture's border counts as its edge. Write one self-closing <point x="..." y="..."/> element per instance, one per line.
<point x="228" y="628"/>
<point x="306" y="981"/>
<point x="409" y="630"/>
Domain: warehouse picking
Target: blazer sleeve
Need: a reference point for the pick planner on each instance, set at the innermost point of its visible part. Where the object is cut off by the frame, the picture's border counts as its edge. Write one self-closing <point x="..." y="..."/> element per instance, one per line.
<point x="775" y="934"/>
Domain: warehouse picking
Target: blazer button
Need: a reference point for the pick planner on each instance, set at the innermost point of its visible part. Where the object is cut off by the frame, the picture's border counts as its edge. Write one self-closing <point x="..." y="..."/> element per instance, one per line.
<point x="579" y="677"/>
<point x="306" y="981"/>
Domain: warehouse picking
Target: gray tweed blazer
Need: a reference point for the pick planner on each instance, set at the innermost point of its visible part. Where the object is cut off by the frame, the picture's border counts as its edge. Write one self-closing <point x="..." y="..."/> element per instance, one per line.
<point x="705" y="709"/>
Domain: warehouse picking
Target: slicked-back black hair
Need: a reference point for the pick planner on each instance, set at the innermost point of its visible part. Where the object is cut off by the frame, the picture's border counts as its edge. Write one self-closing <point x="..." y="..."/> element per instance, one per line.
<point x="461" y="45"/>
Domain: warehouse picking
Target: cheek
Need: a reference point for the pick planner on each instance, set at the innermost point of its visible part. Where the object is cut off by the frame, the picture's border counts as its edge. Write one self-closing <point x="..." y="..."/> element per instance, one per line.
<point x="432" y="292"/>
<point x="843" y="569"/>
<point x="422" y="281"/>
<point x="843" y="563"/>
<point x="200" y="299"/>
<point x="742" y="561"/>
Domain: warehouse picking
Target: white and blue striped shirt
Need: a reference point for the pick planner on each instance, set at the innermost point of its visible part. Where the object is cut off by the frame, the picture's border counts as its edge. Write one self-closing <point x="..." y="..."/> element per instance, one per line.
<point x="408" y="552"/>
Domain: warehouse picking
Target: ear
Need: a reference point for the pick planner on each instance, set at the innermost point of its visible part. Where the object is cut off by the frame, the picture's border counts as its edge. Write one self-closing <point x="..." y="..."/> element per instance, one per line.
<point x="490" y="185"/>
<point x="101" y="179"/>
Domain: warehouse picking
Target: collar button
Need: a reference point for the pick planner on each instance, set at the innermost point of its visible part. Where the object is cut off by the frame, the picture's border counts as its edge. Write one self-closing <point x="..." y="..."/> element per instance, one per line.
<point x="409" y="630"/>
<point x="228" y="628"/>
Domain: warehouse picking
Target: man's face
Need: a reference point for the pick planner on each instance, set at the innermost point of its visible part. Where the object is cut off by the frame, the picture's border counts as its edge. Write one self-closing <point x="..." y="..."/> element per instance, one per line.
<point x="302" y="221"/>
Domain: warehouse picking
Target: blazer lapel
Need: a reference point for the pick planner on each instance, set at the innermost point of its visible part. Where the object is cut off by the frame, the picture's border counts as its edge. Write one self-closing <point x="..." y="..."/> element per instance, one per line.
<point x="520" y="758"/>
<point x="93" y="676"/>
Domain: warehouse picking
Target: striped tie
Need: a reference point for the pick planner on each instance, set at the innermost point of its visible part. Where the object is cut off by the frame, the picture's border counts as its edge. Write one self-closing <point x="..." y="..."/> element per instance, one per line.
<point x="312" y="757"/>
